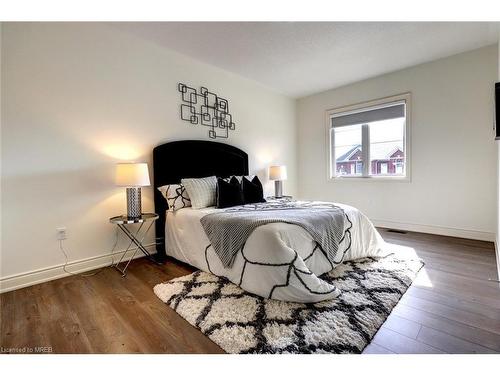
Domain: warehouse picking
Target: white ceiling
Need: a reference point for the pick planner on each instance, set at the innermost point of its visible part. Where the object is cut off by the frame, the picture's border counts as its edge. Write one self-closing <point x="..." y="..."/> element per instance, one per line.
<point x="302" y="58"/>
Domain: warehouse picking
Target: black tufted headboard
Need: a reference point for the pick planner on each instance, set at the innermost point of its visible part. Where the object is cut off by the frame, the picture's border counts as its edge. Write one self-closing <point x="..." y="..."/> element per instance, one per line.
<point x="183" y="159"/>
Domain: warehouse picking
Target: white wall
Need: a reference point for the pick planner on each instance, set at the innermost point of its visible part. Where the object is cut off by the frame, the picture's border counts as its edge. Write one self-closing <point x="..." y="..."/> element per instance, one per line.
<point x="453" y="153"/>
<point x="76" y="99"/>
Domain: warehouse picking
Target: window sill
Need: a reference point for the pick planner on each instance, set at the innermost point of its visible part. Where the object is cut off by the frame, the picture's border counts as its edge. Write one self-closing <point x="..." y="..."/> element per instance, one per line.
<point x="370" y="178"/>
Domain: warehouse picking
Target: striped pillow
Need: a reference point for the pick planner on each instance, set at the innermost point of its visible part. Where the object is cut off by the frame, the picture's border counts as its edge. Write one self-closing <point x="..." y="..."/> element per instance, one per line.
<point x="201" y="191"/>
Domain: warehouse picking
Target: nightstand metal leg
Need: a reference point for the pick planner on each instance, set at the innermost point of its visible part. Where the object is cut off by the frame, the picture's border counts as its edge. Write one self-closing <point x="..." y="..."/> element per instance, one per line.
<point x="139" y="246"/>
<point x="124" y="273"/>
<point x="126" y="251"/>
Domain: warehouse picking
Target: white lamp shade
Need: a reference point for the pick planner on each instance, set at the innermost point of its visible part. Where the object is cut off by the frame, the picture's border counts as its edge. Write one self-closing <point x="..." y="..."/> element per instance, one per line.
<point x="132" y="174"/>
<point x="277" y="172"/>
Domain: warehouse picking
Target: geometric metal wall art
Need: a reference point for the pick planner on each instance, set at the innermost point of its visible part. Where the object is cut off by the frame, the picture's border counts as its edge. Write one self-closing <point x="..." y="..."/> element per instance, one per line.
<point x="207" y="109"/>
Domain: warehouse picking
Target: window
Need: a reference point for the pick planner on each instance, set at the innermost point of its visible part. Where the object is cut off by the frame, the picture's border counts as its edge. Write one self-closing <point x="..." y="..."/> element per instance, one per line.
<point x="383" y="168"/>
<point x="348" y="146"/>
<point x="370" y="139"/>
<point x="399" y="168"/>
<point x="359" y="167"/>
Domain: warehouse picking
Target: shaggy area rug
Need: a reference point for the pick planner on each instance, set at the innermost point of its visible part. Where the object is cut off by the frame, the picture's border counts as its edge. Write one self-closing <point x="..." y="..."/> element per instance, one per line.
<point x="240" y="322"/>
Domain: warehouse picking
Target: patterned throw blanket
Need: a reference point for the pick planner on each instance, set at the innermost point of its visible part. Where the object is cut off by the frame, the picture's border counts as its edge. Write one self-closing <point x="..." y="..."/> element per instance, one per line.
<point x="229" y="229"/>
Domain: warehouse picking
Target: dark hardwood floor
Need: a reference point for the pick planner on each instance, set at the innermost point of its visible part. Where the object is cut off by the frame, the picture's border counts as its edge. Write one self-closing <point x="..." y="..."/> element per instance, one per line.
<point x="450" y="308"/>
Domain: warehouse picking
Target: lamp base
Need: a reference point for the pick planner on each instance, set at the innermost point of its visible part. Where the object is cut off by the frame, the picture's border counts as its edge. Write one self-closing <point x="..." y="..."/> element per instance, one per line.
<point x="278" y="189"/>
<point x="134" y="208"/>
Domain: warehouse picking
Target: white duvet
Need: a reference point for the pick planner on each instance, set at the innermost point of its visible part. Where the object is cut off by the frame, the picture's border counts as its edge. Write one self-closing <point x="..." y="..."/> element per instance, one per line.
<point x="279" y="260"/>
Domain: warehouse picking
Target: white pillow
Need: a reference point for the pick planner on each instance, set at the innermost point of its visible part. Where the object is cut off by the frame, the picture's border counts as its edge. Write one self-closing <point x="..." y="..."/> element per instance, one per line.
<point x="176" y="196"/>
<point x="201" y="191"/>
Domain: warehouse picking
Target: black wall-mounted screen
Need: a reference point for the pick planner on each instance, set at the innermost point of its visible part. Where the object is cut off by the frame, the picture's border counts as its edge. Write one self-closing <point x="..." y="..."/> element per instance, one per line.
<point x="497" y="110"/>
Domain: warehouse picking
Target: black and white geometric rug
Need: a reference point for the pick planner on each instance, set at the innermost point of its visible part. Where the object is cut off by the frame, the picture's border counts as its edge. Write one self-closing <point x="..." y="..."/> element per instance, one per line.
<point x="240" y="322"/>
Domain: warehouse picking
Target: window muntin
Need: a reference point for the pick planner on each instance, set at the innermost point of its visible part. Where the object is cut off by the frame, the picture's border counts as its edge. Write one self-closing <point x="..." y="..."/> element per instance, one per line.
<point x="370" y="140"/>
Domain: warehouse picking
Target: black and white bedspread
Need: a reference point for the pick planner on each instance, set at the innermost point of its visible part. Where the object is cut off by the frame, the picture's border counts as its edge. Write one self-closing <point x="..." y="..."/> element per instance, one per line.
<point x="228" y="229"/>
<point x="281" y="257"/>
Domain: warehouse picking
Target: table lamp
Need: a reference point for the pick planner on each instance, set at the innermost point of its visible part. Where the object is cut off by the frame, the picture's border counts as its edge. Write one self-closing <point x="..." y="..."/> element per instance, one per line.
<point x="133" y="176"/>
<point x="277" y="173"/>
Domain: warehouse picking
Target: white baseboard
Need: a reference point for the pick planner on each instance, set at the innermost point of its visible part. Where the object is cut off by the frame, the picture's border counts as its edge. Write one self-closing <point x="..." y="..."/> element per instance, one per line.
<point x="25" y="279"/>
<point x="433" y="229"/>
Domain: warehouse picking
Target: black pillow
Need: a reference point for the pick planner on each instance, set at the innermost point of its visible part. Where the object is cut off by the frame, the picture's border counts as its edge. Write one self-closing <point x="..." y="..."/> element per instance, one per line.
<point x="229" y="194"/>
<point x="252" y="190"/>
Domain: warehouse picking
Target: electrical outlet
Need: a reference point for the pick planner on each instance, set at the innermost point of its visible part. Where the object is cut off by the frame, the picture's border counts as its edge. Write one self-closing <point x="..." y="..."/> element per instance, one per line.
<point x="61" y="233"/>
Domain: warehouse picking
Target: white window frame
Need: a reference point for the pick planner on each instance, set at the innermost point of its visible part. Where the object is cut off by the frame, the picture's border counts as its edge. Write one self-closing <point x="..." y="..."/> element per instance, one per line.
<point x="330" y="150"/>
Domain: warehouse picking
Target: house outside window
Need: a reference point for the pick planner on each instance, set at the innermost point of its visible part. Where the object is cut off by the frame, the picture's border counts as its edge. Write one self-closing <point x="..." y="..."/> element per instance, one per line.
<point x="370" y="140"/>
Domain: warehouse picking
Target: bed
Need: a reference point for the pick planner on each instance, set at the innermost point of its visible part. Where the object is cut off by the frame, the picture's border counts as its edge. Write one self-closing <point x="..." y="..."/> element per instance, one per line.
<point x="278" y="260"/>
